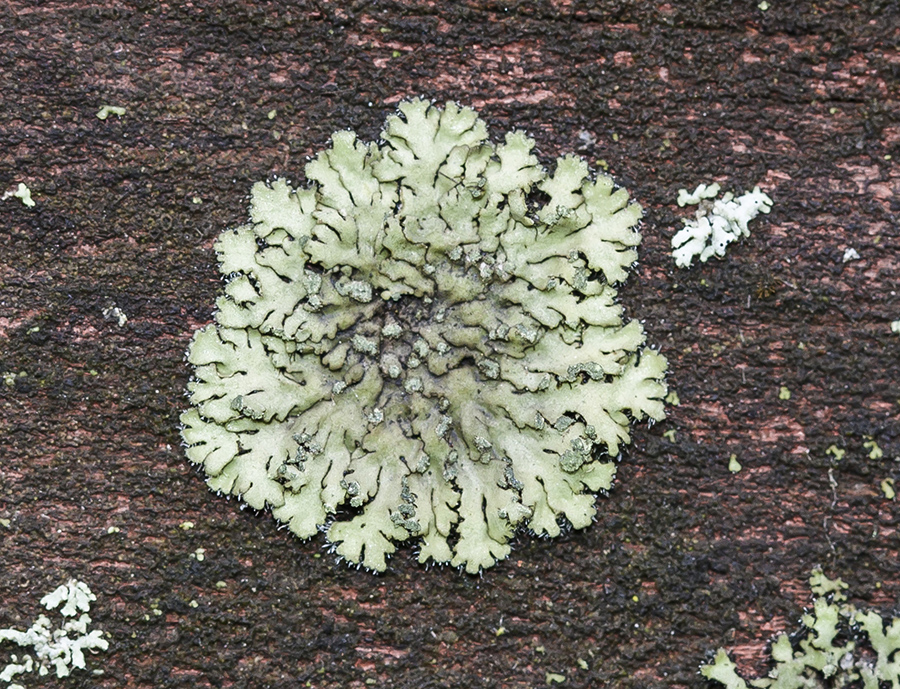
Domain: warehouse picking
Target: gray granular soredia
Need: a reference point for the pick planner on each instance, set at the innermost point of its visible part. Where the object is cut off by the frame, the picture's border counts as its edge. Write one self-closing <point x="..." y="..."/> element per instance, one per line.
<point x="424" y="343"/>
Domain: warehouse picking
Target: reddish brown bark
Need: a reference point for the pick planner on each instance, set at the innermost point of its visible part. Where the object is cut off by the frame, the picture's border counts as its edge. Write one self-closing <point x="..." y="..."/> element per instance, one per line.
<point x="684" y="557"/>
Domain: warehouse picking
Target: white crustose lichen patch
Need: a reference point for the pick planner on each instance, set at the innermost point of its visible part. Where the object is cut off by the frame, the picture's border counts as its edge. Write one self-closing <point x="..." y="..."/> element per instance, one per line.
<point x="424" y="343"/>
<point x="716" y="224"/>
<point x="53" y="648"/>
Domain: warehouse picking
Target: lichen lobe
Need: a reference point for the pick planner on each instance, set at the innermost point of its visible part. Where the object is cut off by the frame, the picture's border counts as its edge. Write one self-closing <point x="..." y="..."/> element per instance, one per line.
<point x="425" y="342"/>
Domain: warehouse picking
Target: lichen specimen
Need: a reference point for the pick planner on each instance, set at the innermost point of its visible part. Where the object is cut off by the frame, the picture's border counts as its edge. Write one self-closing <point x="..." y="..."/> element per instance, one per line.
<point x="425" y="342"/>
<point x="61" y="648"/>
<point x="716" y="223"/>
<point x="839" y="646"/>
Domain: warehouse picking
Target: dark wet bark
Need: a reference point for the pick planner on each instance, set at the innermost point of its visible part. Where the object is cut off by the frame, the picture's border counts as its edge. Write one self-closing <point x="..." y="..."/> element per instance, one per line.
<point x="685" y="557"/>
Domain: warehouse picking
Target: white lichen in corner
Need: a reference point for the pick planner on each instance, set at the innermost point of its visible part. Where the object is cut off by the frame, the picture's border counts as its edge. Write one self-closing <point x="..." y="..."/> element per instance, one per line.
<point x="837" y="646"/>
<point x="61" y="648"/>
<point x="716" y="224"/>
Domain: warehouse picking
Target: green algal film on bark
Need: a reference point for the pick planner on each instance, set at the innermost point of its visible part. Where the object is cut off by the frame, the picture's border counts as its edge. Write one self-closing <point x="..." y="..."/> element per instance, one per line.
<point x="424" y="344"/>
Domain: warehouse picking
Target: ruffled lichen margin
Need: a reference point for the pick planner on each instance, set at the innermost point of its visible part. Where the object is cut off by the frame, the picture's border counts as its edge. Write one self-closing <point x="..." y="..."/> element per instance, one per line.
<point x="838" y="646"/>
<point x="424" y="343"/>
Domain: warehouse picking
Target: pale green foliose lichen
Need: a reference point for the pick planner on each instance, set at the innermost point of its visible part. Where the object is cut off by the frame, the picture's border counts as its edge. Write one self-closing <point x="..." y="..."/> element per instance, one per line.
<point x="838" y="646"/>
<point x="22" y="192"/>
<point x="424" y="343"/>
<point x="107" y="110"/>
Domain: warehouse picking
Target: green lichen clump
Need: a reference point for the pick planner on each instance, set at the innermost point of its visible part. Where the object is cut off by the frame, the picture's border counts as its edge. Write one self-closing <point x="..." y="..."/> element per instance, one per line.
<point x="839" y="646"/>
<point x="424" y="343"/>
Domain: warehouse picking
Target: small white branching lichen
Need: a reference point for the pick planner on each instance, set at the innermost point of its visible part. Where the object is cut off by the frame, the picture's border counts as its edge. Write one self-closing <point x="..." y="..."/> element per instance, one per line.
<point x="427" y="336"/>
<point x="61" y="648"/>
<point x="716" y="224"/>
<point x="838" y="646"/>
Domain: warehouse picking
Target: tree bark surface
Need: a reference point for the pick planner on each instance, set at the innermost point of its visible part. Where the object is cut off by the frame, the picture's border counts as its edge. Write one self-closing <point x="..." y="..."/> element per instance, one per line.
<point x="685" y="556"/>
